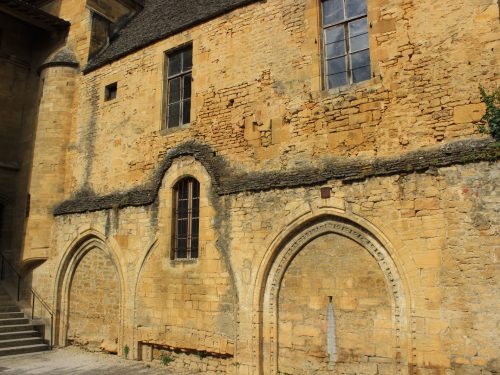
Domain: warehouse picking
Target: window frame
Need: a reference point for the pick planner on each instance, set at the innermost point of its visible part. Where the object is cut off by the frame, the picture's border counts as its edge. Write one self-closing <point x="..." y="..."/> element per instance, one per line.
<point x="167" y="82"/>
<point x="345" y="22"/>
<point x="190" y="219"/>
<point x="111" y="91"/>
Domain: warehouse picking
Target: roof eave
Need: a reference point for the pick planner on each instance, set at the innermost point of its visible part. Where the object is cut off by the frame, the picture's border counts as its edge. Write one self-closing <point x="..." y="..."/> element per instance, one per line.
<point x="91" y="67"/>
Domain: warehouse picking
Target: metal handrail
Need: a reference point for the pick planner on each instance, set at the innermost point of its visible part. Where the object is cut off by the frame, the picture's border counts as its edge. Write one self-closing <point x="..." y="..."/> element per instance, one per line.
<point x="34" y="295"/>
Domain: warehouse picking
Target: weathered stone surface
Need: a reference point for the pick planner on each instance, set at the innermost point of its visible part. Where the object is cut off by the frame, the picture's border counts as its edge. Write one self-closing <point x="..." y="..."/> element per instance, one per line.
<point x="407" y="243"/>
<point x="346" y="170"/>
<point x="94" y="303"/>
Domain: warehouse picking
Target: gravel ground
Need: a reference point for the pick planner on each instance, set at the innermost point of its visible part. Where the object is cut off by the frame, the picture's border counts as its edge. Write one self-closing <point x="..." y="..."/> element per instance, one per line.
<point x="72" y="360"/>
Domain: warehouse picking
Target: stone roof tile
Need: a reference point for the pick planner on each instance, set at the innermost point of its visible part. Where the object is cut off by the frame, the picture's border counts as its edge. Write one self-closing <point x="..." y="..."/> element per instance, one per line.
<point x="158" y="20"/>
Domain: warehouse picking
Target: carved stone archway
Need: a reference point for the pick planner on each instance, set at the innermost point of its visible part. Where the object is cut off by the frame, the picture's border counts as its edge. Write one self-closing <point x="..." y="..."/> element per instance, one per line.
<point x="285" y="253"/>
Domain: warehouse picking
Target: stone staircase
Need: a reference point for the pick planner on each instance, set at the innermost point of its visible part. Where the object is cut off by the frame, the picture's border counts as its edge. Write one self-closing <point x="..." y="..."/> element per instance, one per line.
<point x="17" y="334"/>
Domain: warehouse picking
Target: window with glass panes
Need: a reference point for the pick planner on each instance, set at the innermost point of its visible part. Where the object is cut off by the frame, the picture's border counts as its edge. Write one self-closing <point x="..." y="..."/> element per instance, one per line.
<point x="186" y="219"/>
<point x="345" y="38"/>
<point x="179" y="66"/>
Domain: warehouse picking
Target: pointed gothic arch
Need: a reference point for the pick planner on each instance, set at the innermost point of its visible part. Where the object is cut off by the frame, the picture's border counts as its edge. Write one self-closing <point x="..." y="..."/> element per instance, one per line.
<point x="89" y="241"/>
<point x="279" y="257"/>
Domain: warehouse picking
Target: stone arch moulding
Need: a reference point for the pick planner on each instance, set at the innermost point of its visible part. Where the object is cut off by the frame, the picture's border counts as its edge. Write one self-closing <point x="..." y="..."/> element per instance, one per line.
<point x="279" y="257"/>
<point x="152" y="246"/>
<point x="181" y="166"/>
<point x="68" y="264"/>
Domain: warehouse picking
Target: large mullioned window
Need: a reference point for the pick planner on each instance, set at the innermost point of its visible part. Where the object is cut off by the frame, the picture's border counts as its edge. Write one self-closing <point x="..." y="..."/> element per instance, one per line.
<point x="179" y="77"/>
<point x="345" y="38"/>
<point x="186" y="219"/>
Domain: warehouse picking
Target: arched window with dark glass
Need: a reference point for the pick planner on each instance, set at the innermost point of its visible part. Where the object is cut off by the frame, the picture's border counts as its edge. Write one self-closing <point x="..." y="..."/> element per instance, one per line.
<point x="186" y="223"/>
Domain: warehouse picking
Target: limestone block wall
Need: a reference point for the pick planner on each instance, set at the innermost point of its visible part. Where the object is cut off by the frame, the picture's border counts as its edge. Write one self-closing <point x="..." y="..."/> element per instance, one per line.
<point x="75" y="11"/>
<point x="258" y="98"/>
<point x="94" y="303"/>
<point x="431" y="222"/>
<point x="188" y="304"/>
<point x="407" y="247"/>
<point x="411" y="263"/>
<point x="49" y="161"/>
<point x="334" y="270"/>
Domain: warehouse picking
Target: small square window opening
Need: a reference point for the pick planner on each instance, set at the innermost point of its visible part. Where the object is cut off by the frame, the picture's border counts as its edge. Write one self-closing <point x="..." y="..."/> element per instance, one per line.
<point x="110" y="91"/>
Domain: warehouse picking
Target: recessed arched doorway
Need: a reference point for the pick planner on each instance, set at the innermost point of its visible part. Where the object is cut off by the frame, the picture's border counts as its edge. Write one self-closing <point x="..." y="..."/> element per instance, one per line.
<point x="332" y="301"/>
<point x="89" y="291"/>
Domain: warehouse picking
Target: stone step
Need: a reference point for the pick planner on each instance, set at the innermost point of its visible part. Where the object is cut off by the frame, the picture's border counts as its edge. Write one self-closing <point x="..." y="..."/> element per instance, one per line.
<point x="11" y="314"/>
<point x="21" y="342"/>
<point x="23" y="349"/>
<point x="13" y="321"/>
<point x="9" y="308"/>
<point x="16" y="328"/>
<point x="19" y="335"/>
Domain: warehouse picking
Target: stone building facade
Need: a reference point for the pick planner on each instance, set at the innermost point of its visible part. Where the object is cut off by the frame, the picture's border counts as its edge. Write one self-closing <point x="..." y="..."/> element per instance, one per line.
<point x="327" y="230"/>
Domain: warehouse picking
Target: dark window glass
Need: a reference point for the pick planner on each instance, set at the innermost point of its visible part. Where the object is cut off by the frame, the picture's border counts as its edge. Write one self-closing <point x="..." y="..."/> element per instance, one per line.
<point x="173" y="115"/>
<point x="187" y="61"/>
<point x="346" y="44"/>
<point x="361" y="74"/>
<point x="360" y="59"/>
<point x="186" y="111"/>
<point x="336" y="80"/>
<point x="194" y="248"/>
<point x="110" y="91"/>
<point x="187" y="85"/>
<point x="335" y="49"/>
<point x="355" y="8"/>
<point x="333" y="11"/>
<point x="182" y="251"/>
<point x="334" y="34"/>
<point x="174" y="90"/>
<point x="337" y="65"/>
<point x="179" y="78"/>
<point x="186" y="219"/>
<point x="174" y="63"/>
<point x="196" y="207"/>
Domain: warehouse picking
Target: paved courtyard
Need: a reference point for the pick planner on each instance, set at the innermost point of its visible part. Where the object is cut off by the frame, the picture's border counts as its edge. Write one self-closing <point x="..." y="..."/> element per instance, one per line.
<point x="75" y="361"/>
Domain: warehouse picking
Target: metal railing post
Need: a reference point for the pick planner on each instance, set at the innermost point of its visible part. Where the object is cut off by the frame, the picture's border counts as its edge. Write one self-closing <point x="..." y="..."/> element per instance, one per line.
<point x="18" y="287"/>
<point x="33" y="305"/>
<point x="34" y="295"/>
<point x="51" y="325"/>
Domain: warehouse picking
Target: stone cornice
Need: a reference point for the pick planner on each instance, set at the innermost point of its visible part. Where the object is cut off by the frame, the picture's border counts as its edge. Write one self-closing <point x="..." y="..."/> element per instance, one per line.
<point x="347" y="170"/>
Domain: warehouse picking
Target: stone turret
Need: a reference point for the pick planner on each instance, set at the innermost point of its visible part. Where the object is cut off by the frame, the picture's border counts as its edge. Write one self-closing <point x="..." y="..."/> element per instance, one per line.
<point x="93" y="23"/>
<point x="58" y="75"/>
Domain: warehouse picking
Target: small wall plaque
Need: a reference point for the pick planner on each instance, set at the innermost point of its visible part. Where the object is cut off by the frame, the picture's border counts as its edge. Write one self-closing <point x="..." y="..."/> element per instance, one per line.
<point x="325" y="192"/>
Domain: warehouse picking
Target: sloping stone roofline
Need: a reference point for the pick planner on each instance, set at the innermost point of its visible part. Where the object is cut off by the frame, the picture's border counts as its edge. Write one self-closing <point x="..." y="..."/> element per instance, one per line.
<point x="158" y="20"/>
<point x="29" y="13"/>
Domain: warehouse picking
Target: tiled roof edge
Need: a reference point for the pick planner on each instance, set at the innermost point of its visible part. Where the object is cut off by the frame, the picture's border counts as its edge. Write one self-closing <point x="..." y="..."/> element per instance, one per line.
<point x="31" y="10"/>
<point x="90" y="67"/>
